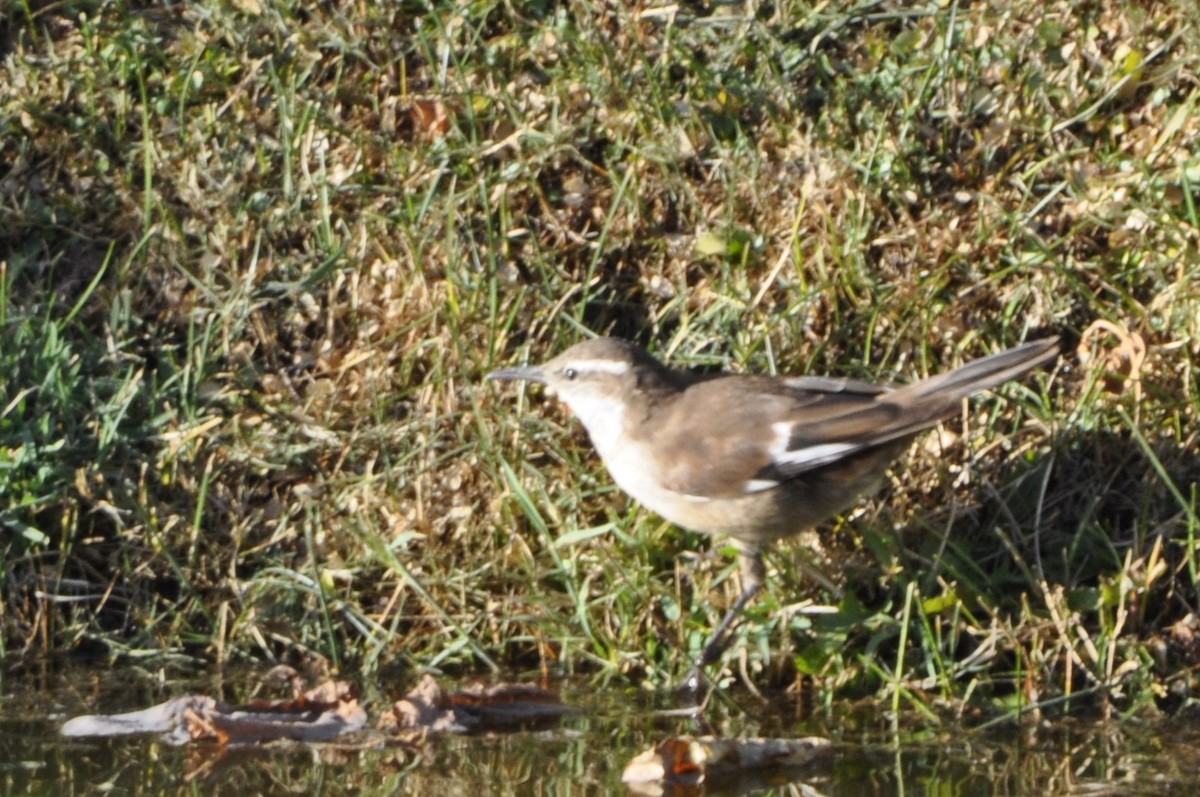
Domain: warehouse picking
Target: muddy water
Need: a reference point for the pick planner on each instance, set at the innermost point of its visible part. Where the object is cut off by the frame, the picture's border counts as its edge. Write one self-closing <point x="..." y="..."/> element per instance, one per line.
<point x="584" y="754"/>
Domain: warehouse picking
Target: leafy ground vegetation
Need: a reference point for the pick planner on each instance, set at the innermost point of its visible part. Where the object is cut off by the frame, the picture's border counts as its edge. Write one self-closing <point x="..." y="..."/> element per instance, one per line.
<point x="255" y="258"/>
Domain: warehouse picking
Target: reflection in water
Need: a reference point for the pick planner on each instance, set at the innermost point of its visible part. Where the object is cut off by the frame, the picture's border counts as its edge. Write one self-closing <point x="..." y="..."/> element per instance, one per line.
<point x="584" y="755"/>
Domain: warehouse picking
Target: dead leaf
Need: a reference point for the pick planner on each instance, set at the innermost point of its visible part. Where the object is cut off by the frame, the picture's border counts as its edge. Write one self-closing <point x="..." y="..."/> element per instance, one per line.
<point x="428" y="708"/>
<point x="691" y="761"/>
<point x="163" y="718"/>
<point x="430" y="118"/>
<point x="1122" y="363"/>
<point x="424" y="707"/>
<point x="320" y="714"/>
<point x="509" y="704"/>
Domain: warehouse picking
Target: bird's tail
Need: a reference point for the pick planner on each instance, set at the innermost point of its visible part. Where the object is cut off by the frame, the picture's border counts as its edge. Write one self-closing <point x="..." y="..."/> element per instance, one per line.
<point x="984" y="373"/>
<point x="930" y="400"/>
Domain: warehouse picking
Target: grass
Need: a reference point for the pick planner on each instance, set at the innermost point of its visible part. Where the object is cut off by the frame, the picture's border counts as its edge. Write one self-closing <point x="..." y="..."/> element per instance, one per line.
<point x="255" y="260"/>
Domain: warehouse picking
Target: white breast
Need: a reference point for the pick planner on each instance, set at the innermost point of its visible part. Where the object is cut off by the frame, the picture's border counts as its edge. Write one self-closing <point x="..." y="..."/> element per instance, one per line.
<point x="602" y="416"/>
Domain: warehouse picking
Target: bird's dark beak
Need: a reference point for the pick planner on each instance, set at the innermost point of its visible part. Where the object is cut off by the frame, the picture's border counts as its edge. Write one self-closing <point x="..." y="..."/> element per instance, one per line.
<point x="529" y="373"/>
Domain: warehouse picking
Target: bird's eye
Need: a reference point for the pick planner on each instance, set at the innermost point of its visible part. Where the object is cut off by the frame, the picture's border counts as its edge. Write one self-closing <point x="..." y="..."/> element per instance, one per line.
<point x="569" y="374"/>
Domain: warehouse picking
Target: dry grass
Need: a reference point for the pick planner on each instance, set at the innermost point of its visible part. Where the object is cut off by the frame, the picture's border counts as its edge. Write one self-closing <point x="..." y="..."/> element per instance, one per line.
<point x="256" y="258"/>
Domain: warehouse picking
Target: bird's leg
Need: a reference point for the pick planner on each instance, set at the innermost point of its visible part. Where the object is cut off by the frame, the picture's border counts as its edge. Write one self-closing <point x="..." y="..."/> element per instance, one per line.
<point x="753" y="574"/>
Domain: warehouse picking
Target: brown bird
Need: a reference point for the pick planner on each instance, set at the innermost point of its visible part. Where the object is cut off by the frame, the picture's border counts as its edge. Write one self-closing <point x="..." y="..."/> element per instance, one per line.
<point x="757" y="458"/>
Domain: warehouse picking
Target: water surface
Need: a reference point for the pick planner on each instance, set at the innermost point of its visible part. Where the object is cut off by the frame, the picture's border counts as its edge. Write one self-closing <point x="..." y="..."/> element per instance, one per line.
<point x="583" y="754"/>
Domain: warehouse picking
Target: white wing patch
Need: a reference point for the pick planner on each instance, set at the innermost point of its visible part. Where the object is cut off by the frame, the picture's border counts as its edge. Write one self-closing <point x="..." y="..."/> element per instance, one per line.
<point x="813" y="455"/>
<point x="781" y="454"/>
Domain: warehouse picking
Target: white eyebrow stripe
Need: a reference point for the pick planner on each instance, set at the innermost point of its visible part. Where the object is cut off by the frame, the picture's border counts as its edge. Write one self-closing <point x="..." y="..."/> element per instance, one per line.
<point x="603" y="366"/>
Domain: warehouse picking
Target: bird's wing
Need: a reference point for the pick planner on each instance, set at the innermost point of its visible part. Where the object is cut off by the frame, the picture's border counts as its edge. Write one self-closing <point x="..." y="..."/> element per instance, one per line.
<point x="764" y="431"/>
<point x="769" y="431"/>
